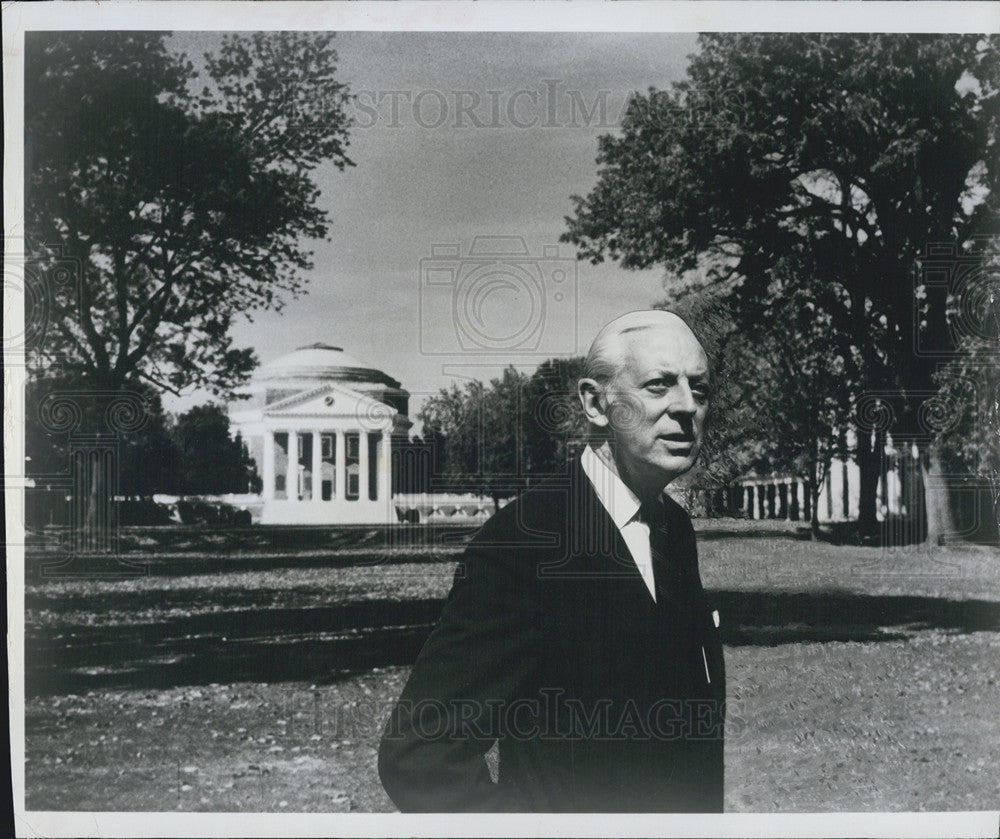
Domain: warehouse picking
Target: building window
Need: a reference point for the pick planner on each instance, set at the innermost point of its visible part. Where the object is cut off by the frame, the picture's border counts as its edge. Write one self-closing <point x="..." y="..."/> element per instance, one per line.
<point x="306" y="478"/>
<point x="351" y="465"/>
<point x="281" y="464"/>
<point x="328" y="467"/>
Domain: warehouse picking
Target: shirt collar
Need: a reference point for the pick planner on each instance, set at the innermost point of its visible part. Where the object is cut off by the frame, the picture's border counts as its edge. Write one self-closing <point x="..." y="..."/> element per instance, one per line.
<point x="621" y="503"/>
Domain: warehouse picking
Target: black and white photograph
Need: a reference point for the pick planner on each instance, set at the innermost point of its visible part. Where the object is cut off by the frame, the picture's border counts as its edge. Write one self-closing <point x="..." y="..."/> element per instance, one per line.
<point x="503" y="418"/>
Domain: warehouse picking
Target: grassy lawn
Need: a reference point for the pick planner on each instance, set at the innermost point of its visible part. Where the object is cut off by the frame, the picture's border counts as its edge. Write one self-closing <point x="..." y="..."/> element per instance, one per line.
<point x="223" y="680"/>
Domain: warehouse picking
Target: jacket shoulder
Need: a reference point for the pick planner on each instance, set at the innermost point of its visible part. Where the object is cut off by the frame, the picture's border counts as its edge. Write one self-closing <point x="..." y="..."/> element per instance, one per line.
<point x="537" y="511"/>
<point x="677" y="513"/>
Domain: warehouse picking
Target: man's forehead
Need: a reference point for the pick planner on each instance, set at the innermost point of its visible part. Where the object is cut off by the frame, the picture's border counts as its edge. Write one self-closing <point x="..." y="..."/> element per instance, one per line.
<point x="664" y="346"/>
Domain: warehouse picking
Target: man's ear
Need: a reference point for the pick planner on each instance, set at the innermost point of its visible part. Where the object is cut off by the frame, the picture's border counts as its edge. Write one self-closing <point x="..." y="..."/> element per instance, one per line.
<point x="594" y="401"/>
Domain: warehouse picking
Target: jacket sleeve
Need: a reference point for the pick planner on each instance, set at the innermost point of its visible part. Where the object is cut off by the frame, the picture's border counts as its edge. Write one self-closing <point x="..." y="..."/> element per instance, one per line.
<point x="478" y="658"/>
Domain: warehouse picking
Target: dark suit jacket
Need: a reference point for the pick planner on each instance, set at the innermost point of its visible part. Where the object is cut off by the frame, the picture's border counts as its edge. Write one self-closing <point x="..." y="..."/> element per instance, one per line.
<point x="551" y="643"/>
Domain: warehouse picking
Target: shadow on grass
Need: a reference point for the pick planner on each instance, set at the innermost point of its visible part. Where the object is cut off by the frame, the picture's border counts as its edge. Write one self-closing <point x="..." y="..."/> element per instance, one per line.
<point x="266" y="645"/>
<point x="48" y="568"/>
<point x="182" y="551"/>
<point x="45" y="567"/>
<point x="903" y="531"/>
<point x="326" y="643"/>
<point x="707" y="533"/>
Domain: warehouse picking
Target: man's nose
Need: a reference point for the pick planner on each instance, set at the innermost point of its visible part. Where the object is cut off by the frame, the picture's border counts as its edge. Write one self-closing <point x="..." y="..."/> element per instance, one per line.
<point x="682" y="403"/>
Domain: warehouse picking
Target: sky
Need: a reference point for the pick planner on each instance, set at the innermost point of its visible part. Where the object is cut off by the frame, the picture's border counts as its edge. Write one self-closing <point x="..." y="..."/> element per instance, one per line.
<point x="474" y="140"/>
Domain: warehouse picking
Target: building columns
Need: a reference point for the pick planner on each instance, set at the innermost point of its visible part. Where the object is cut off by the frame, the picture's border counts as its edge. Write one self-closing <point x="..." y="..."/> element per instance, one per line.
<point x="784" y="500"/>
<point x="295" y="474"/>
<point x="384" y="467"/>
<point x="292" y="479"/>
<point x="268" y="466"/>
<point x="362" y="465"/>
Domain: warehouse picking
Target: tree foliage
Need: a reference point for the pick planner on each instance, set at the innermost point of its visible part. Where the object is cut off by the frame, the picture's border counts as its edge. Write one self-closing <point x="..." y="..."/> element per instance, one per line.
<point x="479" y="427"/>
<point x="62" y="415"/>
<point x="856" y="150"/>
<point x="210" y="461"/>
<point x="555" y="426"/>
<point x="779" y="391"/>
<point x="165" y="212"/>
<point x="969" y="396"/>
<point x="149" y="460"/>
<point x="854" y="156"/>
<point x="154" y="452"/>
<point x="498" y="437"/>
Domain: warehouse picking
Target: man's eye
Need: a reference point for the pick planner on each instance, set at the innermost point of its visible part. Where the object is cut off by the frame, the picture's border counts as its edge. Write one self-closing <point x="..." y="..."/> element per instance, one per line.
<point x="656" y="387"/>
<point x="700" y="393"/>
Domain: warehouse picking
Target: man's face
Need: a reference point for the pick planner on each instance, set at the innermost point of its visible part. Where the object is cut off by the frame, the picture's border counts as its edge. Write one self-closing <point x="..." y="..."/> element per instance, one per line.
<point x="658" y="404"/>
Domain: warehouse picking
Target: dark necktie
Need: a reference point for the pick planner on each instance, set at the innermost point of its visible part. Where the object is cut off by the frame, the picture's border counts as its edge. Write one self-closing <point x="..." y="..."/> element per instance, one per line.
<point x="666" y="574"/>
<point x="676" y="602"/>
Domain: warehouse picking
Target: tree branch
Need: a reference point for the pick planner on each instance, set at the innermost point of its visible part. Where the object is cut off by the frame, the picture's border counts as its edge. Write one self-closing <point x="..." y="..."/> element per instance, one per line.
<point x="159" y="383"/>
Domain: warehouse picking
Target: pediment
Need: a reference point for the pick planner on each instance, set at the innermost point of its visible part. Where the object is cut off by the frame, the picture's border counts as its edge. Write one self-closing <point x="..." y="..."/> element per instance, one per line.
<point x="331" y="400"/>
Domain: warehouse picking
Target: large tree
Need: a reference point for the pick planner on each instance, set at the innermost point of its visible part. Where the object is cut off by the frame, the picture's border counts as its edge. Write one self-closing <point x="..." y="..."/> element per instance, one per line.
<point x="160" y="205"/>
<point x="858" y="154"/>
<point x="497" y="438"/>
<point x="480" y="427"/>
<point x="211" y="462"/>
<point x="967" y="414"/>
<point x="554" y="425"/>
<point x="779" y="396"/>
<point x="70" y="426"/>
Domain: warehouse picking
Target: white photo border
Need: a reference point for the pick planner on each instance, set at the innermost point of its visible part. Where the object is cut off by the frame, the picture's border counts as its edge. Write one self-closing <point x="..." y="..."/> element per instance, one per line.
<point x="457" y="16"/>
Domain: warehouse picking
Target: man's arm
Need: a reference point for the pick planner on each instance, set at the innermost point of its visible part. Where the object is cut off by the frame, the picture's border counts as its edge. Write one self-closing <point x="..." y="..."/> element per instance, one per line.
<point x="478" y="658"/>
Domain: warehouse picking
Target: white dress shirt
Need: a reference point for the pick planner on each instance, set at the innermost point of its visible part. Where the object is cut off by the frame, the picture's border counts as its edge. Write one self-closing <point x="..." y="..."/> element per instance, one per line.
<point x="623" y="506"/>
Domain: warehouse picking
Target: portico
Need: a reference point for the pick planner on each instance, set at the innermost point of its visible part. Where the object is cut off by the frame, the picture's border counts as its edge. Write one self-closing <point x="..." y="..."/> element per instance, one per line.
<point x="787" y="497"/>
<point x="321" y="435"/>
<point x="342" y="470"/>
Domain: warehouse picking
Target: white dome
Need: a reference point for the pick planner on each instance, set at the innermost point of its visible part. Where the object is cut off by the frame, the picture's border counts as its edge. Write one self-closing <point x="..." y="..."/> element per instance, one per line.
<point x="321" y="362"/>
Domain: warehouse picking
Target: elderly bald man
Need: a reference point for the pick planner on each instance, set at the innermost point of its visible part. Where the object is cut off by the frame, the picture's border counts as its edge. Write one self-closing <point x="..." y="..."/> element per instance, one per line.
<point x="577" y="634"/>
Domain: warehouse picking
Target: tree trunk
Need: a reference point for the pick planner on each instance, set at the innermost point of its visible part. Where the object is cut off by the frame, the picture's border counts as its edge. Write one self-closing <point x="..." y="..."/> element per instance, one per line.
<point x="97" y="485"/>
<point x="870" y="452"/>
<point x="816" y="473"/>
<point x="812" y="487"/>
<point x="938" y="509"/>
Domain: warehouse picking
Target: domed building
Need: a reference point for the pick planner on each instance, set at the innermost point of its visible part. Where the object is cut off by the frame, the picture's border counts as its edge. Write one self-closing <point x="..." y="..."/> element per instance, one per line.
<point x="320" y="426"/>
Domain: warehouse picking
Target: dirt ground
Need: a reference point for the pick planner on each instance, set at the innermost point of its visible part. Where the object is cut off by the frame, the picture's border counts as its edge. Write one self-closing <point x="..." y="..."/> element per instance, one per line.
<point x="858" y="680"/>
<point x="898" y="725"/>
